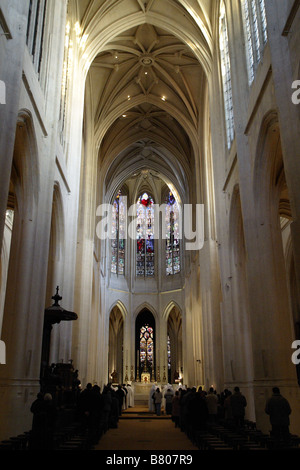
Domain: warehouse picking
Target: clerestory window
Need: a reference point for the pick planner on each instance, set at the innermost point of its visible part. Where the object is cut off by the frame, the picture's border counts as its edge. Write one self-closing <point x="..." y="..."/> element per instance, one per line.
<point x="118" y="234"/>
<point x="172" y="221"/>
<point x="145" y="236"/>
<point x="226" y="75"/>
<point x="255" y="31"/>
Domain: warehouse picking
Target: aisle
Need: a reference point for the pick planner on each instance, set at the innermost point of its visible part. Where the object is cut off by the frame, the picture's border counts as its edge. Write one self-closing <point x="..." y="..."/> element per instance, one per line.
<point x="138" y="430"/>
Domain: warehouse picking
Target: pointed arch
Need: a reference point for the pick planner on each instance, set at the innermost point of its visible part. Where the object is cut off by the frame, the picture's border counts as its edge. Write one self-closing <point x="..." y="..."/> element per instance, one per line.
<point x="169" y="307"/>
<point x="145" y="345"/>
<point x="25" y="170"/>
<point x="116" y="340"/>
<point x="173" y="318"/>
<point x="121" y="306"/>
<point x="56" y="244"/>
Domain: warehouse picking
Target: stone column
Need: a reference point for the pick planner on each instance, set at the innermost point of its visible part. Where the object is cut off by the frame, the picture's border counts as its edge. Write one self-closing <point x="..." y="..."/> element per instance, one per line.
<point x="23" y="320"/>
<point x="11" y="54"/>
<point x="268" y="300"/>
<point x="288" y="114"/>
<point x="82" y="224"/>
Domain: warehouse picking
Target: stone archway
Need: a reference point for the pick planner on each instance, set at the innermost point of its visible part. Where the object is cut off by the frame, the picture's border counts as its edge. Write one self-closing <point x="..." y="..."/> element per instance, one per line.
<point x="115" y="349"/>
<point x="145" y="338"/>
<point x="174" y="345"/>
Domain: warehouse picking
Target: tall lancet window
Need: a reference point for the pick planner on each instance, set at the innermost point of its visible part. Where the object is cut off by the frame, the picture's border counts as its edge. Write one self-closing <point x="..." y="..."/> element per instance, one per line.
<point x="118" y="231"/>
<point x="172" y="235"/>
<point x="226" y="75"/>
<point x="255" y="30"/>
<point x="35" y="31"/>
<point x="146" y="348"/>
<point x="145" y="236"/>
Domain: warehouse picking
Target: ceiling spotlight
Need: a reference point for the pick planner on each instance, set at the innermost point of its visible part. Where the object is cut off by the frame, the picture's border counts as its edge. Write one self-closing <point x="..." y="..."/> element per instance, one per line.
<point x="163" y="98"/>
<point x="124" y="115"/>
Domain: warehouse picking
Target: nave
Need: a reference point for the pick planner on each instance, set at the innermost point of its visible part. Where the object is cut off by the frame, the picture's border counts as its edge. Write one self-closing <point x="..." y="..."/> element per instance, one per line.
<point x="138" y="429"/>
<point x="143" y="431"/>
<point x="179" y="120"/>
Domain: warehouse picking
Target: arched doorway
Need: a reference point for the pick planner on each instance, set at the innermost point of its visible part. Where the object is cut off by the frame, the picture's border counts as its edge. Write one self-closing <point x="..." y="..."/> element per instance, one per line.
<point x="174" y="345"/>
<point x="145" y="346"/>
<point x="115" y="353"/>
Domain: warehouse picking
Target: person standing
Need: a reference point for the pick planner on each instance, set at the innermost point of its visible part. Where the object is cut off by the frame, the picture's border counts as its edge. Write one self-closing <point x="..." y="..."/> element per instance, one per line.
<point x="238" y="404"/>
<point x="279" y="410"/>
<point x="212" y="405"/>
<point x="176" y="409"/>
<point x="130" y="396"/>
<point x="168" y="400"/>
<point x="36" y="431"/>
<point x="157" y="401"/>
<point x="151" y="399"/>
<point x="120" y="394"/>
<point x="44" y="421"/>
<point x="227" y="407"/>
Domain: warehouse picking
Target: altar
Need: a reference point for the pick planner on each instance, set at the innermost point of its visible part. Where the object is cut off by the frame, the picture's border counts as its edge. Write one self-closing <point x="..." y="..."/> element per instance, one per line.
<point x="145" y="377"/>
<point x="142" y="393"/>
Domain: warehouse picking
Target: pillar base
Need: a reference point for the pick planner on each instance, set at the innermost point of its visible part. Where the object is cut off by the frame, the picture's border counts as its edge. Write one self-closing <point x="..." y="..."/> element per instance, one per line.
<point x="16" y="397"/>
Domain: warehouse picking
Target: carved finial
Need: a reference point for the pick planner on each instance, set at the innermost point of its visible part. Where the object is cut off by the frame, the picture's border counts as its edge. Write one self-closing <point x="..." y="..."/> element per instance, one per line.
<point x="56" y="298"/>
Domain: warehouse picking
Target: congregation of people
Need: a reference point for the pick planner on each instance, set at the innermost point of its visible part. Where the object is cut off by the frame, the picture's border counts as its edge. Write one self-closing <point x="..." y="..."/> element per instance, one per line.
<point x="194" y="410"/>
<point x="191" y="410"/>
<point x="96" y="412"/>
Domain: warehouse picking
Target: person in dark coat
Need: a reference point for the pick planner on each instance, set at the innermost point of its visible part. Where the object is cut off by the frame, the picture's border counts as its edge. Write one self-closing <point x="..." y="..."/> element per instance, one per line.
<point x="169" y="397"/>
<point x="279" y="410"/>
<point x="158" y="400"/>
<point x="176" y="409"/>
<point x="238" y="404"/>
<point x="84" y="406"/>
<point x="96" y="407"/>
<point x="120" y="394"/>
<point x="114" y="414"/>
<point x="198" y="412"/>
<point x="43" y="423"/>
<point x="35" y="434"/>
<point x="107" y="407"/>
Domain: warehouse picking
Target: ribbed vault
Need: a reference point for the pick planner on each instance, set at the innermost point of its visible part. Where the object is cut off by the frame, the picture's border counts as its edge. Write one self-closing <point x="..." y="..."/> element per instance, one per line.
<point x="147" y="76"/>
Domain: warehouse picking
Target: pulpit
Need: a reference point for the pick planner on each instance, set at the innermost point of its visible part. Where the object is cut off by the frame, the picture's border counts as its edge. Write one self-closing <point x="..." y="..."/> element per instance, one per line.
<point x="52" y="315"/>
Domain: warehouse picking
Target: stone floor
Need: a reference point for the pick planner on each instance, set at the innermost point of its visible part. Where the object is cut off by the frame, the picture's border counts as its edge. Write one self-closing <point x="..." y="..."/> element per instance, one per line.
<point x="140" y="430"/>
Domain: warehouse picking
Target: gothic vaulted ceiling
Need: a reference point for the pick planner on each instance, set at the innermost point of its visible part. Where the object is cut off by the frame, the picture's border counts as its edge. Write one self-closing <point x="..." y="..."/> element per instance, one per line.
<point x="147" y="82"/>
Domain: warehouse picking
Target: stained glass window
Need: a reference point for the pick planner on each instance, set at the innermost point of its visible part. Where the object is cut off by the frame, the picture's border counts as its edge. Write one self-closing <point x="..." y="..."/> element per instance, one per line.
<point x="118" y="230"/>
<point x="226" y="76"/>
<point x="146" y="348"/>
<point x="145" y="236"/>
<point x="172" y="235"/>
<point x="169" y="352"/>
<point x="255" y="29"/>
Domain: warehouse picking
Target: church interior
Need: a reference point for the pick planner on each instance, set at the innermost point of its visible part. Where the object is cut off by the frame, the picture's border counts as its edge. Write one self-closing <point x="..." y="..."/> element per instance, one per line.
<point x="150" y="198"/>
